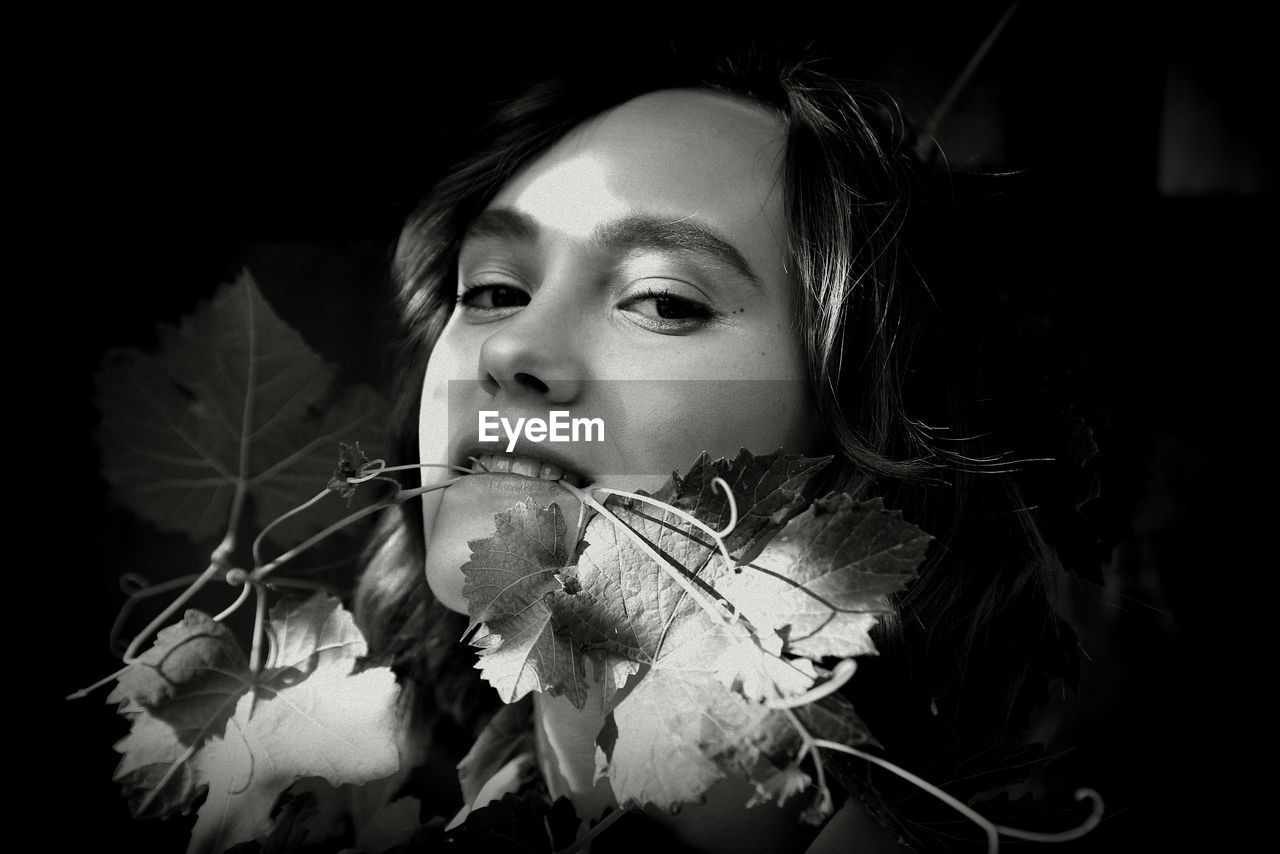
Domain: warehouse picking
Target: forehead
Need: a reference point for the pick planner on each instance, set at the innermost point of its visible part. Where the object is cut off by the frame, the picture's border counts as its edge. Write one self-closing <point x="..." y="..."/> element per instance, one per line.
<point x="681" y="153"/>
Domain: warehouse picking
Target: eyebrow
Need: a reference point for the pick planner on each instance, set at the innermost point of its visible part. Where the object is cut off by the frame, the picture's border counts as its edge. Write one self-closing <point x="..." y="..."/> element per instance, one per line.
<point x="634" y="232"/>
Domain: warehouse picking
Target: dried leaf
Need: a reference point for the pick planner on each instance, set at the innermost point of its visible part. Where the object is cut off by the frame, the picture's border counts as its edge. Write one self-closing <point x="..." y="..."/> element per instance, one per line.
<point x="351" y="463"/>
<point x="233" y="397"/>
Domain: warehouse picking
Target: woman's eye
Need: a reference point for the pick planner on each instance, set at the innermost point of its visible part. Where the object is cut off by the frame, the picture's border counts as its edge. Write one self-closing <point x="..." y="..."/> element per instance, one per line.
<point x="488" y="298"/>
<point x="667" y="312"/>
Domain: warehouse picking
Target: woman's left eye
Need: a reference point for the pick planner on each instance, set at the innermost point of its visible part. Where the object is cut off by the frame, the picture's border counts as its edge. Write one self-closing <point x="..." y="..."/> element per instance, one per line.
<point x="492" y="299"/>
<point x="664" y="311"/>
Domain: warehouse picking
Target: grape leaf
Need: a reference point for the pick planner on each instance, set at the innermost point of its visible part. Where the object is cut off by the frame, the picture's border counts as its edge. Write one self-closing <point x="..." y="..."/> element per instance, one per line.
<point x="696" y="712"/>
<point x="767" y="489"/>
<point x="754" y="666"/>
<point x="822" y="582"/>
<point x="680" y="727"/>
<point x="625" y="601"/>
<point x="616" y="604"/>
<point x="305" y="716"/>
<point x="234" y="398"/>
<point x="331" y="724"/>
<point x="149" y="750"/>
<point x="196" y="659"/>
<point x="508" y="582"/>
<point x="176" y="695"/>
<point x="516" y="564"/>
<point x="309" y="633"/>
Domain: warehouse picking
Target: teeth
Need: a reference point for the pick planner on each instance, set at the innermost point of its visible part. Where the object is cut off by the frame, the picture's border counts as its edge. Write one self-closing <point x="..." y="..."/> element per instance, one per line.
<point x="527" y="466"/>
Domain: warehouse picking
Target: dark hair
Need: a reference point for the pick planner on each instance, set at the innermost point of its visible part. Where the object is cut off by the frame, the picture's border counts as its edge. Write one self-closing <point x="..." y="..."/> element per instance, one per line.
<point x="976" y="638"/>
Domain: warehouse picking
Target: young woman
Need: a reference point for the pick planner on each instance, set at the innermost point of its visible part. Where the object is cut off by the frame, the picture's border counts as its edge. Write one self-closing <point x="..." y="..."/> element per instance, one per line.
<point x="708" y="259"/>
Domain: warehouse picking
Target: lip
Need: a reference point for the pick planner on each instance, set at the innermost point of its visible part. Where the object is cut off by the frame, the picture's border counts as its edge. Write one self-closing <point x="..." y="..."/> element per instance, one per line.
<point x="575" y="474"/>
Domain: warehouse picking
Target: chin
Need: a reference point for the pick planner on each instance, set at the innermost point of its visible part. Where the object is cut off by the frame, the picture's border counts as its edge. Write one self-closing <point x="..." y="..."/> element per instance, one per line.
<point x="465" y="512"/>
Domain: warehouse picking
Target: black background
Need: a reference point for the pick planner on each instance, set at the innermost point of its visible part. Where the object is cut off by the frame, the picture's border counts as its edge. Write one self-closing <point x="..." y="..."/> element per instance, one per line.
<point x="170" y="163"/>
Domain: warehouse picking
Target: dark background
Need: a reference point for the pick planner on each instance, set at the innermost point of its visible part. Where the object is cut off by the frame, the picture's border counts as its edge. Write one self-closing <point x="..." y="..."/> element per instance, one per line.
<point x="1140" y="223"/>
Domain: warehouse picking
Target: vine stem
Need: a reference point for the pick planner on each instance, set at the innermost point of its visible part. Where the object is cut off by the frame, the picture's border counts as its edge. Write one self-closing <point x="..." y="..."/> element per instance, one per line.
<point x="301" y="584"/>
<point x="236" y="576"/>
<point x="84" y="692"/>
<point x="378" y="467"/>
<point x="257" y="541"/>
<point x="993" y="836"/>
<point x="131" y="653"/>
<point x="221" y="557"/>
<point x="403" y="495"/>
<point x="137" y="596"/>
<point x="992" y="830"/>
<point x="218" y="562"/>
<point x="1094" y="819"/>
<point x="259" y="624"/>
<point x="259" y="573"/>
<point x="247" y="585"/>
<point x="806" y="749"/>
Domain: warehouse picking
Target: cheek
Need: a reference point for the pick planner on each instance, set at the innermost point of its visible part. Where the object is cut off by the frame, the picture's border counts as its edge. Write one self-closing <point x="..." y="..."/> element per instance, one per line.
<point x="448" y="365"/>
<point x="443" y="575"/>
<point x="720" y="417"/>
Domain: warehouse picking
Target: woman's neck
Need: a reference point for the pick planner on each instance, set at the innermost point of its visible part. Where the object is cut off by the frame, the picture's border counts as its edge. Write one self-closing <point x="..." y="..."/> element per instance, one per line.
<point x="566" y="738"/>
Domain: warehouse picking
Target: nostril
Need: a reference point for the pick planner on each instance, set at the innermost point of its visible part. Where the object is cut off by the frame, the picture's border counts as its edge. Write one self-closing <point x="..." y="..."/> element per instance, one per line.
<point x="532" y="383"/>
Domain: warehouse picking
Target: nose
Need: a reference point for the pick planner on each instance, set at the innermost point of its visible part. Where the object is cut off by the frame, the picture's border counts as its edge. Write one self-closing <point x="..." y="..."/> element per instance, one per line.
<point x="536" y="352"/>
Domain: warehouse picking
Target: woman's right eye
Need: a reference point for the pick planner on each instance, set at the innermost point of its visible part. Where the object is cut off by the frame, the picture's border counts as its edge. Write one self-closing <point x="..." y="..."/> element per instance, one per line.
<point x="492" y="299"/>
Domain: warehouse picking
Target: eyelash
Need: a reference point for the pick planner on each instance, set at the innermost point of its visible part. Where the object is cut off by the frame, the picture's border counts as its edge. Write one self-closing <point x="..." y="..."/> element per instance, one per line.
<point x="471" y="293"/>
<point x="699" y="313"/>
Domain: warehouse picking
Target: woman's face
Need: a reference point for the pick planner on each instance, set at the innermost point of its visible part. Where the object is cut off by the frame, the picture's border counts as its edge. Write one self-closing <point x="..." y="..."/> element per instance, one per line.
<point x="636" y="273"/>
